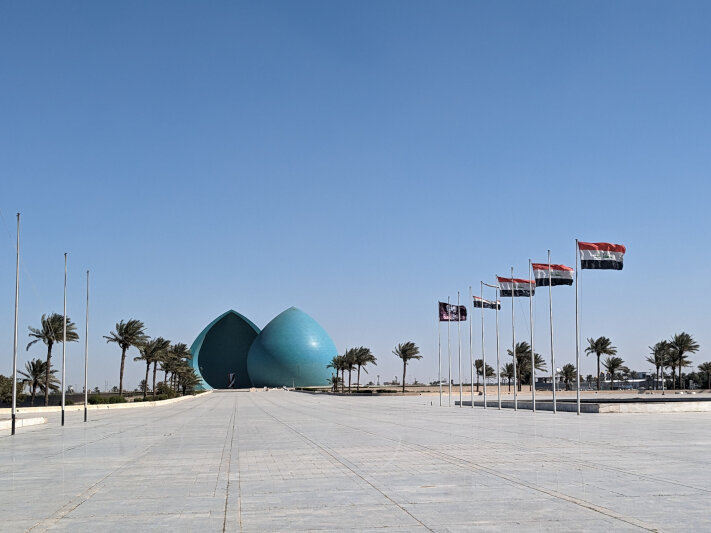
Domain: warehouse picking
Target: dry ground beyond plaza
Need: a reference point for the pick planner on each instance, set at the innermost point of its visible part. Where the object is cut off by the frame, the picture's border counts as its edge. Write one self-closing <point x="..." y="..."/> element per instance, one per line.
<point x="287" y="461"/>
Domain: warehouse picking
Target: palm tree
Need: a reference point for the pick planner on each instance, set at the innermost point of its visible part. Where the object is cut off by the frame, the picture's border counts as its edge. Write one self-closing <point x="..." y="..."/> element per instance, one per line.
<point x="406" y="352"/>
<point x="334" y="380"/>
<point x="349" y="364"/>
<point x="681" y="344"/>
<point x="168" y="358"/>
<point x="523" y="363"/>
<point x="161" y="353"/>
<point x="362" y="357"/>
<point x="52" y="331"/>
<point x="613" y="365"/>
<point x="489" y="371"/>
<point x="35" y="377"/>
<point x="508" y="372"/>
<point x="659" y="357"/>
<point x="151" y="352"/>
<point x="127" y="334"/>
<point x="186" y="378"/>
<point x="706" y="368"/>
<point x="568" y="374"/>
<point x="337" y="365"/>
<point x="600" y="346"/>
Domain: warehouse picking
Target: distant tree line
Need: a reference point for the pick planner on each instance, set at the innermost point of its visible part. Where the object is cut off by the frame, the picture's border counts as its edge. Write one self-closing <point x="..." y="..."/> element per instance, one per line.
<point x="173" y="359"/>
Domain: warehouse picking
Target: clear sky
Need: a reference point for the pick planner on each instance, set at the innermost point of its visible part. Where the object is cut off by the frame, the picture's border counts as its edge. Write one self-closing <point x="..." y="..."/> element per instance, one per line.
<point x="358" y="160"/>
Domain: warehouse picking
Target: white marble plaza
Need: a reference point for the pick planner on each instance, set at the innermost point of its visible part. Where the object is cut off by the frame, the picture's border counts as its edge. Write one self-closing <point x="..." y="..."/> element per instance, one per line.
<point x="286" y="461"/>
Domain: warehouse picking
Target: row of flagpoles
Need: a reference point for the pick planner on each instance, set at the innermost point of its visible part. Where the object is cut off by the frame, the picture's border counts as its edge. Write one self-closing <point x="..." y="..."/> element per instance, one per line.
<point x="588" y="255"/>
<point x="64" y="339"/>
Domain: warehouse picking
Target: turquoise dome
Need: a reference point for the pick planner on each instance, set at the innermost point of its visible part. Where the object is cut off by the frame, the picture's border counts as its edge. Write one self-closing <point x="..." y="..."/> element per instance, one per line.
<point x="292" y="349"/>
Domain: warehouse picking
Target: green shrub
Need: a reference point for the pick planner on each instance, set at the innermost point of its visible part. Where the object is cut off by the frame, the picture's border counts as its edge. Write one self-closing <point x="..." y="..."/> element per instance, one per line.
<point x="94" y="400"/>
<point x="163" y="389"/>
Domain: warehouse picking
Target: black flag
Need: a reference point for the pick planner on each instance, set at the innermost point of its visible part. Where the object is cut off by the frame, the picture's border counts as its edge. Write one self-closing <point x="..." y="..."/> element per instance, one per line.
<point x="452" y="312"/>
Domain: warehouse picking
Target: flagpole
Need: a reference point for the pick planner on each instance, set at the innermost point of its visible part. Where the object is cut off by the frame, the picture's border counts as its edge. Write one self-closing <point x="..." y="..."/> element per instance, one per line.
<point x="86" y="351"/>
<point x="483" y="350"/>
<point x="64" y="337"/>
<point x="513" y="339"/>
<point x="459" y="348"/>
<point x="449" y="355"/>
<point x="577" y="330"/>
<point x="550" y="319"/>
<point x="439" y="354"/>
<point x="498" y="362"/>
<point x="14" y="345"/>
<point x="471" y="361"/>
<point x="533" y="352"/>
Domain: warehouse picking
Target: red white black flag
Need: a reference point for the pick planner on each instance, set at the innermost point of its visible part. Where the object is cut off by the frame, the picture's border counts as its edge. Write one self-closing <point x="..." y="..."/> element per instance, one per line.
<point x="486" y="304"/>
<point x="601" y="255"/>
<point x="516" y="287"/>
<point x="452" y="312"/>
<point x="558" y="275"/>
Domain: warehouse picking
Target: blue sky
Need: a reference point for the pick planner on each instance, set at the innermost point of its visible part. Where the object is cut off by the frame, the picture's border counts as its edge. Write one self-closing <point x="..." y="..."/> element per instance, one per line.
<point x="358" y="160"/>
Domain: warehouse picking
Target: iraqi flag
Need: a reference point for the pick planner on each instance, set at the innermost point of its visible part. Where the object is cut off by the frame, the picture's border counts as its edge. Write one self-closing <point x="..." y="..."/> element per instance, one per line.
<point x="452" y="312"/>
<point x="601" y="255"/>
<point x="486" y="304"/>
<point x="558" y="275"/>
<point x="516" y="287"/>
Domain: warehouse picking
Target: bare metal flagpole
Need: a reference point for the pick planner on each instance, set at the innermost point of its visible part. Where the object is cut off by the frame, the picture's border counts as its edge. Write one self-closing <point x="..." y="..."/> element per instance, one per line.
<point x="513" y="339"/>
<point x="86" y="351"/>
<point x="483" y="350"/>
<point x="550" y="318"/>
<point x="533" y="352"/>
<point x="498" y="361"/>
<point x="459" y="349"/>
<point x="577" y="330"/>
<point x="471" y="360"/>
<point x="449" y="354"/>
<point x="439" y="354"/>
<point x="14" y="346"/>
<point x="64" y="337"/>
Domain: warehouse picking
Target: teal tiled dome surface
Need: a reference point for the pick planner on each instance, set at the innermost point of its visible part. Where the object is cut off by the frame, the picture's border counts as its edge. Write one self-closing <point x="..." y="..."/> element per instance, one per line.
<point x="293" y="349"/>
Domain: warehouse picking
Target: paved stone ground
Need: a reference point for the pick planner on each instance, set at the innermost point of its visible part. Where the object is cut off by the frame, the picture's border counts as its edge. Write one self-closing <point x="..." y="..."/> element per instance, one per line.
<point x="285" y="461"/>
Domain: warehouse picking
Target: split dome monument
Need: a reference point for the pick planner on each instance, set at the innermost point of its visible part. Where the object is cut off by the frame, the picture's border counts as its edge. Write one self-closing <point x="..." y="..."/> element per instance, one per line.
<point x="293" y="349"/>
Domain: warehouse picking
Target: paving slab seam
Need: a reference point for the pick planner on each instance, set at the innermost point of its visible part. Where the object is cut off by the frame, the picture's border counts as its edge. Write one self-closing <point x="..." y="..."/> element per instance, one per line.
<point x="229" y="467"/>
<point x="228" y="439"/>
<point x="493" y="472"/>
<point x="334" y="455"/>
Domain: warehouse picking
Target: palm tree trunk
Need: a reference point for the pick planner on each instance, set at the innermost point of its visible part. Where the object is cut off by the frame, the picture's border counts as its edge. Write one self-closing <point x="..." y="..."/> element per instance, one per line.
<point x="34" y="393"/>
<point x="165" y="377"/>
<point x="477" y="382"/>
<point x="358" y="382"/>
<point x="145" y="381"/>
<point x="123" y="363"/>
<point x="404" y="371"/>
<point x="509" y="384"/>
<point x="46" y="378"/>
<point x="350" y="372"/>
<point x="598" y="371"/>
<point x="155" y="367"/>
<point x="518" y="378"/>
